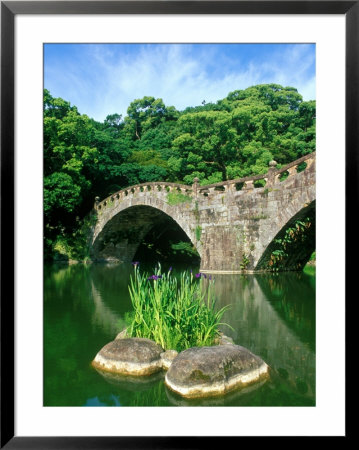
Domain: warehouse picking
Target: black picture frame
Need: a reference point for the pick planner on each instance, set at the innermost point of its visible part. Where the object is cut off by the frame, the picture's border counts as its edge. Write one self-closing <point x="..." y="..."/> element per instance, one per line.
<point x="9" y="9"/>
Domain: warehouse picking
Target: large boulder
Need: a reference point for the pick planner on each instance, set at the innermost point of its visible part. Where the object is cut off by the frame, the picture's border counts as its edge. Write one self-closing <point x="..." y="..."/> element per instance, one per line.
<point x="130" y="356"/>
<point x="209" y="371"/>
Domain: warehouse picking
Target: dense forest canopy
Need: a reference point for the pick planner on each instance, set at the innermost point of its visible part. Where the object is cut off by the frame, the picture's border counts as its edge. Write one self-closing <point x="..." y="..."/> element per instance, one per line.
<point x="234" y="137"/>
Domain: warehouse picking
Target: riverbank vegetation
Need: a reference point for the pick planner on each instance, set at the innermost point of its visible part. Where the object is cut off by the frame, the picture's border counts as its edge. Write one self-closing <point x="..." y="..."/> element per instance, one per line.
<point x="175" y="312"/>
<point x="235" y="137"/>
<point x="293" y="246"/>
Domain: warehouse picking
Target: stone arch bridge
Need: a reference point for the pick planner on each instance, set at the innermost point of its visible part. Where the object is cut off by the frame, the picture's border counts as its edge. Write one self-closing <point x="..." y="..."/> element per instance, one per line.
<point x="232" y="224"/>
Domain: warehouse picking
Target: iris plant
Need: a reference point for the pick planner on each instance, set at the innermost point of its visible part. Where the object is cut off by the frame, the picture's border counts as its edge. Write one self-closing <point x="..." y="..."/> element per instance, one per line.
<point x="177" y="312"/>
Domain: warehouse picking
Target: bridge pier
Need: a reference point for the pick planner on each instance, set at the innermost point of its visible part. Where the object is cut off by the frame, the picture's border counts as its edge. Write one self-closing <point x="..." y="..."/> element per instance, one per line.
<point x="223" y="248"/>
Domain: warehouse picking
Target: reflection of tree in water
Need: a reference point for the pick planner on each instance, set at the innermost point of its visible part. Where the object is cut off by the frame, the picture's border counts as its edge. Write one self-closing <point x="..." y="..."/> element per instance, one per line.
<point x="293" y="297"/>
<point x="132" y="382"/>
<point x="64" y="360"/>
<point x="155" y="396"/>
<point x="63" y="281"/>
<point x="266" y="331"/>
<point x="129" y="391"/>
<point x="67" y="380"/>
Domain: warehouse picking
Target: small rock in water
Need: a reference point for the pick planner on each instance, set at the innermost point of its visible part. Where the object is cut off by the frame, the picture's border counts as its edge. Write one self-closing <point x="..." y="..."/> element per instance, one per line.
<point x="222" y="339"/>
<point x="208" y="371"/>
<point x="167" y="358"/>
<point x="122" y="334"/>
<point x="130" y="356"/>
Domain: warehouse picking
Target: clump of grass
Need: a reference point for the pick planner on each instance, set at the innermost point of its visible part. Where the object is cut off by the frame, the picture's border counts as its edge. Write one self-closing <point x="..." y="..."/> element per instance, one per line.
<point x="177" y="313"/>
<point x="175" y="198"/>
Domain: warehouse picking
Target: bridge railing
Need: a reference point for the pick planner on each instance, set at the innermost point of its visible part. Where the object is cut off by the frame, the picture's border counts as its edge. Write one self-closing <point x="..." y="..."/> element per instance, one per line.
<point x="273" y="176"/>
<point x="157" y="186"/>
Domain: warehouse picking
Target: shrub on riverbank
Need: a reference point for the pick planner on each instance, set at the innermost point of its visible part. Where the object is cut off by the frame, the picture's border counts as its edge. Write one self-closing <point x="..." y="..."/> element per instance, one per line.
<point x="177" y="313"/>
<point x="73" y="246"/>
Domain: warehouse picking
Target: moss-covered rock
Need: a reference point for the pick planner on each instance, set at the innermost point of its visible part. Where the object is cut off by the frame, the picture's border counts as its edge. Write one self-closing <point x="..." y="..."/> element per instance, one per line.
<point x="210" y="371"/>
<point x="130" y="356"/>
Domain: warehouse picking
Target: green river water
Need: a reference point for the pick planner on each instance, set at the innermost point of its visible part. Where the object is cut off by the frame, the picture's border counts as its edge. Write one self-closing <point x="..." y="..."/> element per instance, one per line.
<point x="84" y="307"/>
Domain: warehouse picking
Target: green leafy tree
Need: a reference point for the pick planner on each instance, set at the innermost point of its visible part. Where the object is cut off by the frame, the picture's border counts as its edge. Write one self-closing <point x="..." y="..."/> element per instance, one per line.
<point x="236" y="136"/>
<point x="146" y="113"/>
<point x="210" y="141"/>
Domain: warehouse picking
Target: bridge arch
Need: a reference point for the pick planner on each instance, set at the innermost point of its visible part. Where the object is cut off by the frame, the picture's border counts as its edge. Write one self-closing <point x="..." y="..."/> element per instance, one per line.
<point x="292" y="246"/>
<point x="121" y="228"/>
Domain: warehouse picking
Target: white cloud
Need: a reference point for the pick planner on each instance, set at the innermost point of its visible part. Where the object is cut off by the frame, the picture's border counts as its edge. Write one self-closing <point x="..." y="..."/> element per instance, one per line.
<point x="106" y="81"/>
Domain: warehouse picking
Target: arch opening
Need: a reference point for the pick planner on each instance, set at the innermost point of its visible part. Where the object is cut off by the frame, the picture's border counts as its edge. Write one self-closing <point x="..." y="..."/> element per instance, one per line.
<point x="146" y="234"/>
<point x="293" y="246"/>
<point x="167" y="242"/>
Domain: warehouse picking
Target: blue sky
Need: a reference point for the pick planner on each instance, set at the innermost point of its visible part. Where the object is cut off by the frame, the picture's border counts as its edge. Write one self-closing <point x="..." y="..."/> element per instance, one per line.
<point x="102" y="79"/>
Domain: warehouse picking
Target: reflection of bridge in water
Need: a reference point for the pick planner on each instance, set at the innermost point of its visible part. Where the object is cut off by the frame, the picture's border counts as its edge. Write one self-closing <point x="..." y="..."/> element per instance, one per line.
<point x="108" y="290"/>
<point x="266" y="319"/>
<point x="228" y="222"/>
<point x="103" y="316"/>
<point x="267" y="315"/>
